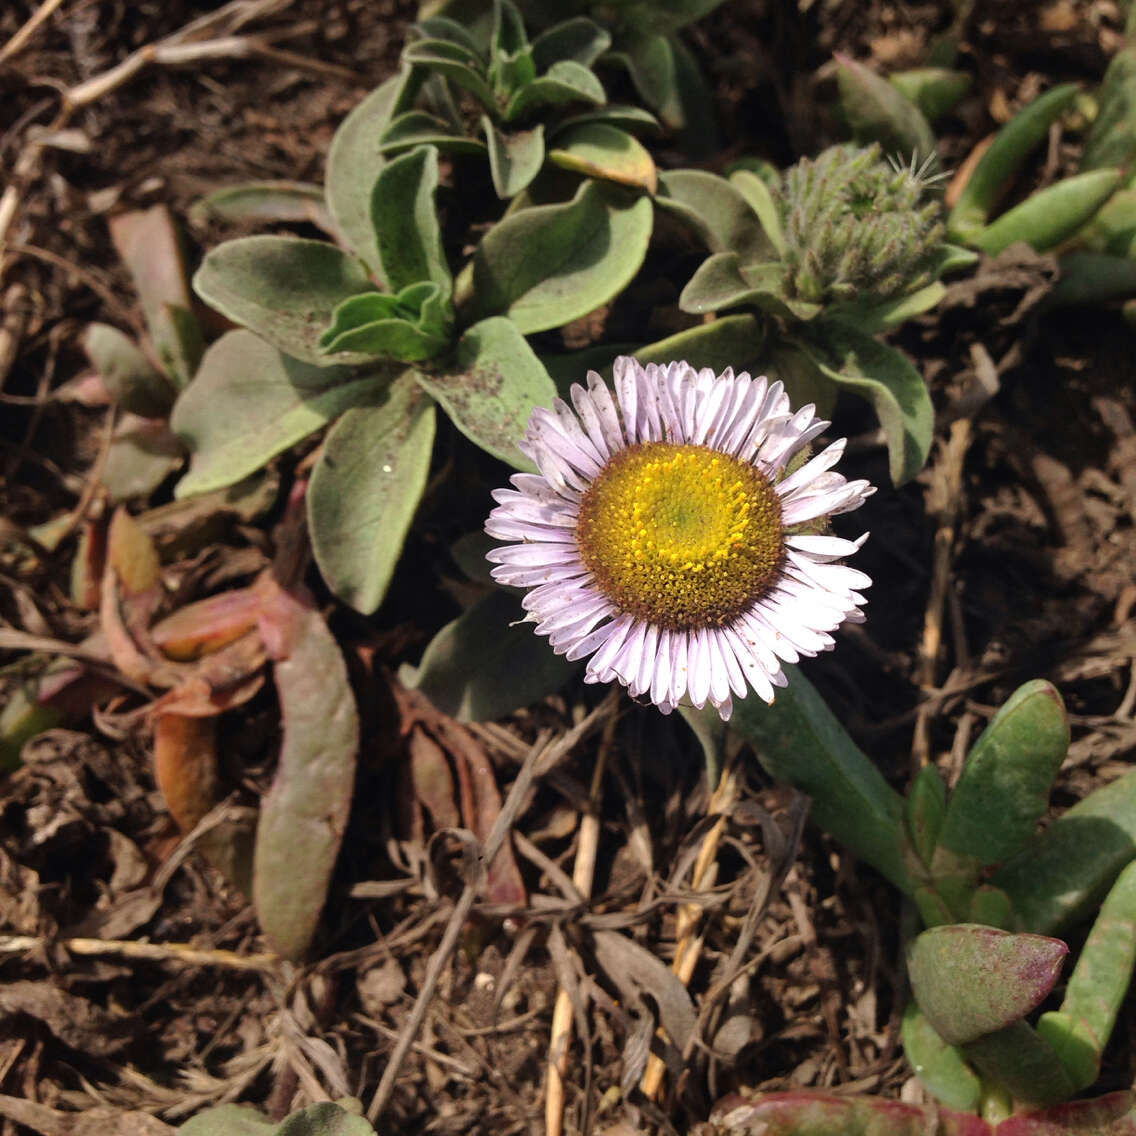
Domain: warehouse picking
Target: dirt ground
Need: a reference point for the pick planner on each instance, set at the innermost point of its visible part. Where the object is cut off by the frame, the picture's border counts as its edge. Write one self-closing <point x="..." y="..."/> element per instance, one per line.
<point x="1027" y="503"/>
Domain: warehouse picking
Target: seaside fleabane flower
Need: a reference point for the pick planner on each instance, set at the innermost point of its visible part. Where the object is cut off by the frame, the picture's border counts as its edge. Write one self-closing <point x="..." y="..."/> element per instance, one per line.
<point x="671" y="536"/>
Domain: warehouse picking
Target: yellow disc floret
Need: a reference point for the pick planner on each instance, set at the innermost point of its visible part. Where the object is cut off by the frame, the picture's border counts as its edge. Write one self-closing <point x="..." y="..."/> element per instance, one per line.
<point x="681" y="536"/>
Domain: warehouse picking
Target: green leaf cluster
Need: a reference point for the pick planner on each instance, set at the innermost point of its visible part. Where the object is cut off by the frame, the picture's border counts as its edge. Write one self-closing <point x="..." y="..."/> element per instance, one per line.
<point x="539" y="100"/>
<point x="989" y="887"/>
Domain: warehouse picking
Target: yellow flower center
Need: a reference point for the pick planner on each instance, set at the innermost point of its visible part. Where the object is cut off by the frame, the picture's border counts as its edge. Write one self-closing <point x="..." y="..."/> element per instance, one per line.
<point x="681" y="536"/>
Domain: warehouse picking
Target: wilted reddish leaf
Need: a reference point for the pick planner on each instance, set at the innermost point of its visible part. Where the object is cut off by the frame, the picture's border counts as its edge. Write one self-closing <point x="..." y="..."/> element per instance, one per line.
<point x="88" y="566"/>
<point x="205" y="626"/>
<point x="304" y="814"/>
<point x="1111" y="1115"/>
<point x="804" y="1113"/>
<point x="433" y="782"/>
<point x="131" y="592"/>
<point x="76" y="1022"/>
<point x="481" y="802"/>
<point x="185" y="765"/>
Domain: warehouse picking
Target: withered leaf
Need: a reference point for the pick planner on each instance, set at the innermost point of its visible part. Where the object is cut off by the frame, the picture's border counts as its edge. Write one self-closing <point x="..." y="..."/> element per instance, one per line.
<point x="73" y="1020"/>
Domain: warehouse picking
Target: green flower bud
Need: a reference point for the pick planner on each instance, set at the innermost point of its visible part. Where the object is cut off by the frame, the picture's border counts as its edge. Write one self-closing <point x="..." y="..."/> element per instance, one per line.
<point x="856" y="227"/>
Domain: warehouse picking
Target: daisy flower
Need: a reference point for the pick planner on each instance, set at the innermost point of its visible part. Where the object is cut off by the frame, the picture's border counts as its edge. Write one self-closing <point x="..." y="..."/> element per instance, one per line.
<point x="675" y="534"/>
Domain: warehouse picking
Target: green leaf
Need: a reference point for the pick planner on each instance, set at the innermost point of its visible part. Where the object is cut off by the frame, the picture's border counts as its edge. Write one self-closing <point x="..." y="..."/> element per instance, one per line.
<point x="249" y="402"/>
<point x="721" y="281"/>
<point x="925" y="809"/>
<point x="971" y="980"/>
<point x="940" y="1067"/>
<point x="877" y="112"/>
<point x="799" y="741"/>
<point x="143" y="453"/>
<point x="409" y="327"/>
<point x="488" y="663"/>
<point x="1050" y="215"/>
<point x="623" y="117"/>
<point x="228" y="1120"/>
<point x="662" y="17"/>
<point x="406" y="222"/>
<point x="354" y="161"/>
<point x="1022" y="1064"/>
<point x="717" y="211"/>
<point x="1111" y="138"/>
<point x="131" y="379"/>
<point x="304" y="814"/>
<point x="1063" y="874"/>
<point x="364" y="491"/>
<point x="600" y="150"/>
<point x="283" y="288"/>
<point x="493" y="387"/>
<point x="1011" y="147"/>
<point x="650" y="61"/>
<point x="326" y="1118"/>
<point x="1093" y="278"/>
<point x="418" y="128"/>
<point x="699" y="134"/>
<point x="453" y="31"/>
<point x="149" y="243"/>
<point x="510" y="55"/>
<point x="856" y="362"/>
<point x="1004" y="788"/>
<point x="759" y="197"/>
<point x="515" y="157"/>
<point x="873" y="318"/>
<point x="271" y="201"/>
<point x="1097" y="987"/>
<point x="732" y="341"/>
<point x="934" y="90"/>
<point x="455" y="62"/>
<point x="565" y="83"/>
<point x="577" y="39"/>
<point x="550" y="264"/>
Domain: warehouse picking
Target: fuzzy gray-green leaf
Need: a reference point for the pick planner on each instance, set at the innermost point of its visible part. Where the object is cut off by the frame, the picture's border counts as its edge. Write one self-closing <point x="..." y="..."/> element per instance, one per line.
<point x="550" y="264"/>
<point x="283" y="288"/>
<point x="881" y="375"/>
<point x="249" y="402"/>
<point x="492" y="388"/>
<point x="365" y="489"/>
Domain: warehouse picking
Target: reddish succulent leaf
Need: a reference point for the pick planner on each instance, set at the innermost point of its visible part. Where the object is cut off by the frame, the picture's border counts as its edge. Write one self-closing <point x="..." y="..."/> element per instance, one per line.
<point x="206" y="626"/>
<point x="972" y="980"/>
<point x="481" y="802"/>
<point x="88" y="566"/>
<point x="131" y="592"/>
<point x="433" y="782"/>
<point x="304" y="814"/>
<point x="804" y="1113"/>
<point x="185" y="765"/>
<point x="227" y="678"/>
<point x="1111" y="1115"/>
<point x="147" y="243"/>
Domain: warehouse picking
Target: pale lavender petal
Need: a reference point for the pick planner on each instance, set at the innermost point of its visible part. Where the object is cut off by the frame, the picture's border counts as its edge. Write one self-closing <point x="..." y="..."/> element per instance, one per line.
<point x="590" y="419"/>
<point x="719" y="675"/>
<point x="627" y="393"/>
<point x="533" y="555"/>
<point x="661" y="679"/>
<point x="680" y="647"/>
<point x="825" y="460"/>
<point x="825" y="548"/>
<point x="698" y="660"/>
<point x="647" y="662"/>
<point x="608" y="414"/>
<point x="755" y="671"/>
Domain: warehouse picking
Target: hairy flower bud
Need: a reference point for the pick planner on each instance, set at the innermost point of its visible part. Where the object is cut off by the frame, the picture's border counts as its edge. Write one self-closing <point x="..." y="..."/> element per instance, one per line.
<point x="856" y="227"/>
